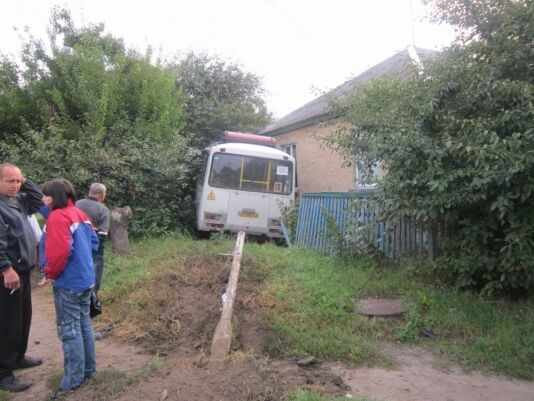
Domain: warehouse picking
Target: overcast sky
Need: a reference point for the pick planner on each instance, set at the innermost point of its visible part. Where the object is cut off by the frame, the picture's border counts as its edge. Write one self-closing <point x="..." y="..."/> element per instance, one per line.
<point x="298" y="47"/>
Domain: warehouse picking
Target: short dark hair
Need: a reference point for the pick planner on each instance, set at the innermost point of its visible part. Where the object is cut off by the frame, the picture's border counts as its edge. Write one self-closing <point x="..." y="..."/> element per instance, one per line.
<point x="61" y="190"/>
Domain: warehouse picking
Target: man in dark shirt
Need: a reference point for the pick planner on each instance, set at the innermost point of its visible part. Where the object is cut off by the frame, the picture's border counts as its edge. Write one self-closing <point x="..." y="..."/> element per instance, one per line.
<point x="18" y="199"/>
<point x="99" y="214"/>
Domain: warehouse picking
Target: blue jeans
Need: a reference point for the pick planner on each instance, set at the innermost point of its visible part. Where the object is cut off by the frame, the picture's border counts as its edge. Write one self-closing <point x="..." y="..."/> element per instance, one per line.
<point x="76" y="333"/>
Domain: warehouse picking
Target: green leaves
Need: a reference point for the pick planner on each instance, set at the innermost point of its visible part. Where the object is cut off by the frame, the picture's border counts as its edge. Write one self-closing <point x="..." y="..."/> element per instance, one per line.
<point x="458" y="146"/>
<point x="95" y="111"/>
<point x="219" y="96"/>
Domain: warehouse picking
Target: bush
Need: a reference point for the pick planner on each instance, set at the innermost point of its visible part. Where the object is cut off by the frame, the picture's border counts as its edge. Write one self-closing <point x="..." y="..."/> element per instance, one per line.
<point x="457" y="142"/>
<point x="153" y="178"/>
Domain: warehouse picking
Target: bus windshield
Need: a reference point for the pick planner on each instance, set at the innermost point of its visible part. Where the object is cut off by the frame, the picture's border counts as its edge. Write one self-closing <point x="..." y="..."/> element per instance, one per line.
<point x="249" y="173"/>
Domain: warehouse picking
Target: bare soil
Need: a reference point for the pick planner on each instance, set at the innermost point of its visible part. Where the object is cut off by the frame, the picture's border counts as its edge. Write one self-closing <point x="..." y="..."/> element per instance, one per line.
<point x="250" y="374"/>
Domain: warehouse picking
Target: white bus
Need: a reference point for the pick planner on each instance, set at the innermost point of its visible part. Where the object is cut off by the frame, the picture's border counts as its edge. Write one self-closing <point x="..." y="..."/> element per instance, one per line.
<point x="243" y="184"/>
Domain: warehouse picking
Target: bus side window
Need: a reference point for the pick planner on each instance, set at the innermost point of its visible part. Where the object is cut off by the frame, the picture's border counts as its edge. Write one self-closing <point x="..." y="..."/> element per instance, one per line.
<point x="202" y="174"/>
<point x="205" y="156"/>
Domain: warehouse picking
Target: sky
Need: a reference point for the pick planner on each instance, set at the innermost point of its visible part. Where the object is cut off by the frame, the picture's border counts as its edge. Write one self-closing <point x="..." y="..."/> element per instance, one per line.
<point x="299" y="48"/>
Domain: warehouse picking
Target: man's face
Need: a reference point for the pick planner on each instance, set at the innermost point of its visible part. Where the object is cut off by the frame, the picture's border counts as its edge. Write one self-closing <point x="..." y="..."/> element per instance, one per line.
<point x="10" y="182"/>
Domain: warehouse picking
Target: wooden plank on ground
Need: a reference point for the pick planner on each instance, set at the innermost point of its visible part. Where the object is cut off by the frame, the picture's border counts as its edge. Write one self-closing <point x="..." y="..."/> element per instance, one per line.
<point x="222" y="338"/>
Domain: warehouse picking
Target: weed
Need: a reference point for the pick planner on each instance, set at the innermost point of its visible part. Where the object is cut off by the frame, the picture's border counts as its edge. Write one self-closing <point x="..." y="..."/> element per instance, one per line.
<point x="55" y="380"/>
<point x="110" y="383"/>
<point x="5" y="396"/>
<point x="409" y="332"/>
<point x="299" y="394"/>
<point x="290" y="214"/>
<point x="220" y="237"/>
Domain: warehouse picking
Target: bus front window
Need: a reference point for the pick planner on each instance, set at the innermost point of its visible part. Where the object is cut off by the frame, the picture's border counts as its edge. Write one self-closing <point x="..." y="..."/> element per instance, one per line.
<point x="249" y="173"/>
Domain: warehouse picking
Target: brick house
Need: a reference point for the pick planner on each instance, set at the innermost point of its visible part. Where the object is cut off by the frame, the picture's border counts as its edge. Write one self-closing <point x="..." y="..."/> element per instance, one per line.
<point x="318" y="168"/>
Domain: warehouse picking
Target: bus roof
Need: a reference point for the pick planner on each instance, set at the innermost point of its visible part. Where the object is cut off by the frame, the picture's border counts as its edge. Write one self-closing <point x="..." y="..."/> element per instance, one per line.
<point x="252" y="150"/>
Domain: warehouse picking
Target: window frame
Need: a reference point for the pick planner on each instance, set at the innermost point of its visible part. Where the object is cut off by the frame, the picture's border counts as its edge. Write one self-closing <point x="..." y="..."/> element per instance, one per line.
<point x="269" y="174"/>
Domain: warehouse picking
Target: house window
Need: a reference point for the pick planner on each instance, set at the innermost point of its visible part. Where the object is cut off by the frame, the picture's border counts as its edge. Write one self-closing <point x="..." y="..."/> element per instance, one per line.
<point x="291" y="149"/>
<point x="367" y="174"/>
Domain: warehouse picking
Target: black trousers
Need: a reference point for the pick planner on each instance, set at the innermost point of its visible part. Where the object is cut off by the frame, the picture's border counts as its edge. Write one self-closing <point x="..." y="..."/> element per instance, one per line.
<point x="15" y="321"/>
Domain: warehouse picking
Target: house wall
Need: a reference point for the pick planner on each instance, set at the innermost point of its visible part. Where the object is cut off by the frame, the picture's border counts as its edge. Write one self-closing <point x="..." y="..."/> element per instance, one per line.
<point x="318" y="169"/>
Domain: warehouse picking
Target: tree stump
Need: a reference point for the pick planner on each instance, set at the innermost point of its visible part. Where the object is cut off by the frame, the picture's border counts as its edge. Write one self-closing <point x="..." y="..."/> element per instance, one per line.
<point x="118" y="229"/>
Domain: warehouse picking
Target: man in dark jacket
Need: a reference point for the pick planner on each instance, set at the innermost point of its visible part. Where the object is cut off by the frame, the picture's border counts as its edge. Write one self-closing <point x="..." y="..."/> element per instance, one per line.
<point x="18" y="199"/>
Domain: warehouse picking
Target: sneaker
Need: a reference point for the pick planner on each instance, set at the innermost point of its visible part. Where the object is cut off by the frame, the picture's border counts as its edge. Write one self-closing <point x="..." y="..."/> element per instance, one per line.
<point x="28" y="362"/>
<point x="13" y="385"/>
<point x="59" y="393"/>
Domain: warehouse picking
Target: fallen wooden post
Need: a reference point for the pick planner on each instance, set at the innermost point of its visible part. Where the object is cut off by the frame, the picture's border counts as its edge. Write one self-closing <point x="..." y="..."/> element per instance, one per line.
<point x="222" y="338"/>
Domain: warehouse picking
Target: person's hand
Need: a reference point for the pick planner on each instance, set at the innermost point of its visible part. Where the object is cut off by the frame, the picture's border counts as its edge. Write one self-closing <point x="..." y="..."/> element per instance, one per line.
<point x="11" y="279"/>
<point x="44" y="281"/>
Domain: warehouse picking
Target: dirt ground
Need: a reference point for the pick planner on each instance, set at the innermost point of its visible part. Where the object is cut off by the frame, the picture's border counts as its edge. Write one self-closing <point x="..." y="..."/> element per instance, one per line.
<point x="249" y="375"/>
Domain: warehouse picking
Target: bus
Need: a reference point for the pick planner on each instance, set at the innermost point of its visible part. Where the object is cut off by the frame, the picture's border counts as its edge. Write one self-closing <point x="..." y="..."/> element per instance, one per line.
<point x="244" y="184"/>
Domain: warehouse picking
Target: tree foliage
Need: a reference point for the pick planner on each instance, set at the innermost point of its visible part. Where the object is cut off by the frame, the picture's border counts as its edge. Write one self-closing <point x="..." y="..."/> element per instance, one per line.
<point x="219" y="96"/>
<point x="90" y="83"/>
<point x="92" y="110"/>
<point x="458" y="144"/>
<point x="13" y="99"/>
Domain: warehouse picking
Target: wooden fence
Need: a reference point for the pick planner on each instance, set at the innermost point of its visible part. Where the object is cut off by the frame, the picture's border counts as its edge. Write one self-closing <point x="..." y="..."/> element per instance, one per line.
<point x="332" y="221"/>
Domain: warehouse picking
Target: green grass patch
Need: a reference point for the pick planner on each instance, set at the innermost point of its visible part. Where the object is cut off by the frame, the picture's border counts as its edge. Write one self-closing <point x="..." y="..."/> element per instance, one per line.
<point x="307" y="395"/>
<point x="150" y="256"/>
<point x="313" y="305"/>
<point x="110" y="383"/>
<point x="5" y="396"/>
<point x="315" y="313"/>
<point x="55" y="380"/>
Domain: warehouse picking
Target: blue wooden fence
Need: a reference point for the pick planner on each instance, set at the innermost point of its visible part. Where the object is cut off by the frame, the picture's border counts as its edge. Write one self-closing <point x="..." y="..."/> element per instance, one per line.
<point x="327" y="219"/>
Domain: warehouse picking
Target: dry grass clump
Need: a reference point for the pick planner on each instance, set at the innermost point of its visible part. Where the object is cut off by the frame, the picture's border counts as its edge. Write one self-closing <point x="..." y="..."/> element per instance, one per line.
<point x="152" y="310"/>
<point x="165" y="308"/>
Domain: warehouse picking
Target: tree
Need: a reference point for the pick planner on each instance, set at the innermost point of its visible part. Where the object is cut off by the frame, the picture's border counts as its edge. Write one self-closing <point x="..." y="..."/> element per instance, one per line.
<point x="13" y="100"/>
<point x="95" y="111"/>
<point x="90" y="83"/>
<point x="458" y="144"/>
<point x="219" y="96"/>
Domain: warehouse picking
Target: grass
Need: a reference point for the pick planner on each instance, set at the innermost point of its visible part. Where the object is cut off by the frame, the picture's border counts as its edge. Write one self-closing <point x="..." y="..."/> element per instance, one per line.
<point x="306" y="395"/>
<point x="110" y="383"/>
<point x="55" y="380"/>
<point x="150" y="256"/>
<point x="5" y="396"/>
<point x="313" y="306"/>
<point x="316" y="315"/>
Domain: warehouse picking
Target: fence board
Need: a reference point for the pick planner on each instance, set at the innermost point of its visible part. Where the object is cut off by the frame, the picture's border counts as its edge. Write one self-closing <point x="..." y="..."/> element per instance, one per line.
<point x="346" y="210"/>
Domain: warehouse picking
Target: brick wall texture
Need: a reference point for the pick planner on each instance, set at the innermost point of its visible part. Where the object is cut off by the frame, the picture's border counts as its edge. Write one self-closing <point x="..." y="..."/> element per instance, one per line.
<point x="318" y="168"/>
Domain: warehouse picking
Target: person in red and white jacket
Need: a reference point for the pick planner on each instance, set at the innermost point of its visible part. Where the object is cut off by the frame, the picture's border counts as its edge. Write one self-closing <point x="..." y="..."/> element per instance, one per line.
<point x="68" y="246"/>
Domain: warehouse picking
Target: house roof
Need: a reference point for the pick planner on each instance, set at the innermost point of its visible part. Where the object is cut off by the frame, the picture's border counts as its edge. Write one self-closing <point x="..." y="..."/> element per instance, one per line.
<point x="399" y="66"/>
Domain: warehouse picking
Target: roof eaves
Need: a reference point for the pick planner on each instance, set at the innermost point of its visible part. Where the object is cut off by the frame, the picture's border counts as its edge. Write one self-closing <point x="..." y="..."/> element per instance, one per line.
<point x="299" y="124"/>
<point x="318" y="118"/>
<point x="411" y="54"/>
